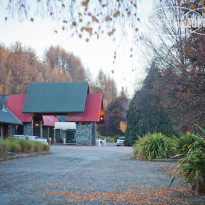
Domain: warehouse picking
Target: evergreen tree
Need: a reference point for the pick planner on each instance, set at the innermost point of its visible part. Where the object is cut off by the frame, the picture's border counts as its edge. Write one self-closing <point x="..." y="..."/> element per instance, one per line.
<point x="145" y="114"/>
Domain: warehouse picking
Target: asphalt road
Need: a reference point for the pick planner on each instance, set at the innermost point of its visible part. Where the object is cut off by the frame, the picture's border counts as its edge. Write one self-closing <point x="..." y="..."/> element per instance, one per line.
<point x="86" y="175"/>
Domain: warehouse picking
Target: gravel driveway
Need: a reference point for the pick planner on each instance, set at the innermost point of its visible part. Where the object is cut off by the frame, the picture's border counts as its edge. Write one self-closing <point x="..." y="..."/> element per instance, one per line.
<point x="88" y="175"/>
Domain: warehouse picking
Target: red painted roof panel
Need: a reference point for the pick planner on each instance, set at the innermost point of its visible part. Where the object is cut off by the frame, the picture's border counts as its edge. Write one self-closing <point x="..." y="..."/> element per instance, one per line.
<point x="92" y="110"/>
<point x="49" y="120"/>
<point x="15" y="105"/>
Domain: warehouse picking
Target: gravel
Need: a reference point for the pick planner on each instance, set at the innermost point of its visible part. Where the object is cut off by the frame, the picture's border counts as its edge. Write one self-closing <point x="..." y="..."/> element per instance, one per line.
<point x="73" y="169"/>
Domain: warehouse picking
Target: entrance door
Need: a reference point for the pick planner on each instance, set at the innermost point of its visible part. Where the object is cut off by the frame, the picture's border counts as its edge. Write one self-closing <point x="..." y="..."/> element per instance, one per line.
<point x="20" y="130"/>
<point x="37" y="128"/>
<point x="5" y="131"/>
<point x="70" y="137"/>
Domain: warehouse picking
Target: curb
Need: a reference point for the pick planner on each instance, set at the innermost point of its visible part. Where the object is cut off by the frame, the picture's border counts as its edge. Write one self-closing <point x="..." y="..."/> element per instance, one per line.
<point x="18" y="156"/>
<point x="165" y="160"/>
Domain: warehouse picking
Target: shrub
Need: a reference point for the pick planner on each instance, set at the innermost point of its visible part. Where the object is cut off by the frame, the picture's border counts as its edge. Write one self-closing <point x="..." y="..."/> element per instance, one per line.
<point x="26" y="145"/>
<point x="23" y="144"/>
<point x="154" y="146"/>
<point x="110" y="140"/>
<point x="116" y="137"/>
<point x="184" y="143"/>
<point x="45" y="147"/>
<point x="192" y="166"/>
<point x="38" y="146"/>
<point x="30" y="146"/>
<point x="13" y="146"/>
<point x="3" y="148"/>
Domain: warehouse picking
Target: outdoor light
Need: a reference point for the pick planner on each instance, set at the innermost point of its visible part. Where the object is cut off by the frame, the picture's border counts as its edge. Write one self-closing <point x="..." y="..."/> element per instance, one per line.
<point x="36" y="124"/>
<point x="101" y="118"/>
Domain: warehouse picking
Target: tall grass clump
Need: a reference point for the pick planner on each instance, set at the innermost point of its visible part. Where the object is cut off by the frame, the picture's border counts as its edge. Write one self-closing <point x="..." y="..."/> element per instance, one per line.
<point x="38" y="146"/>
<point x="3" y="147"/>
<point x="192" y="166"/>
<point x="45" y="147"/>
<point x="26" y="145"/>
<point x="154" y="146"/>
<point x="13" y="146"/>
<point x="185" y="142"/>
<point x="21" y="145"/>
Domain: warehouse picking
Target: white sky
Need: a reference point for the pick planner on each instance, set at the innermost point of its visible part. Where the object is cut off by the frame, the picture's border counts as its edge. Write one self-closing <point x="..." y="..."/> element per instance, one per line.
<point x="95" y="55"/>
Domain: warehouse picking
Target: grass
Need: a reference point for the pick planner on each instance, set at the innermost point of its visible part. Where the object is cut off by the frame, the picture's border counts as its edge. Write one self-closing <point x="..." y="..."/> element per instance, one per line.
<point x="21" y="146"/>
<point x="154" y="146"/>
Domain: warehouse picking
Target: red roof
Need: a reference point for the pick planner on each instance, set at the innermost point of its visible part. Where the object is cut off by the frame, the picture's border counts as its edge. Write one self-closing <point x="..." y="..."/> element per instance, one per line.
<point x="49" y="120"/>
<point x="93" y="108"/>
<point x="15" y="105"/>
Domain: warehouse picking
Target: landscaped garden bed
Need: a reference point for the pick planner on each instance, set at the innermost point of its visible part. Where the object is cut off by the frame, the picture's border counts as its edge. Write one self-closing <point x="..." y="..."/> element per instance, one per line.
<point x="13" y="148"/>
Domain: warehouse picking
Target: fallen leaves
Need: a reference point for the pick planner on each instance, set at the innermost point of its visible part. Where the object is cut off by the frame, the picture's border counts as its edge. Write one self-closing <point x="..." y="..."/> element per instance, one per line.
<point x="133" y="196"/>
<point x="107" y="18"/>
<point x="116" y="14"/>
<point x="111" y="32"/>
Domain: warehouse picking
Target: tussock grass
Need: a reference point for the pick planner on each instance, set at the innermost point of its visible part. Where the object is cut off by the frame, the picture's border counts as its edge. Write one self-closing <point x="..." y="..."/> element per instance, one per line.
<point x="21" y="146"/>
<point x="154" y="146"/>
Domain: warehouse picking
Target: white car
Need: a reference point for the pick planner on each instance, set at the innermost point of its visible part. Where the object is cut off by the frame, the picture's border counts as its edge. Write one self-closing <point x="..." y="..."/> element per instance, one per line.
<point x="35" y="138"/>
<point x="120" y="141"/>
<point x="31" y="138"/>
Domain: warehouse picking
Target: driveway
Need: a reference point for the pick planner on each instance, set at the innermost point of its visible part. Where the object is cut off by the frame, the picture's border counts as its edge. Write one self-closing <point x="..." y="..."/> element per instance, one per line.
<point x="88" y="175"/>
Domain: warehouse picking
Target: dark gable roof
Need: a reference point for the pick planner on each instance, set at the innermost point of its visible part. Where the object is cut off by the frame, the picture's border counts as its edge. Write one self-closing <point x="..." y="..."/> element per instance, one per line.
<point x="56" y="97"/>
<point x="7" y="117"/>
<point x="3" y="100"/>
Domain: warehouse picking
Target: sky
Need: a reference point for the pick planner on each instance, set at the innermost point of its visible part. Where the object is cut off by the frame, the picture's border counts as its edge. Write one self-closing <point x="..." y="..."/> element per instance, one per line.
<point x="95" y="55"/>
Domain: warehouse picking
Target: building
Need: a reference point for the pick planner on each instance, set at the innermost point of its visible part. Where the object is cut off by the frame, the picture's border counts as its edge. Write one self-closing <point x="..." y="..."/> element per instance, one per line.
<point x="8" y="122"/>
<point x="46" y="104"/>
<point x="72" y="99"/>
<point x="86" y="121"/>
<point x="30" y="125"/>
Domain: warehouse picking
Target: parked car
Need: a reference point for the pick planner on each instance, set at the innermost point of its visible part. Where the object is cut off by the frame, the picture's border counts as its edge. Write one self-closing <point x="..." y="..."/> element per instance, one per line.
<point x="19" y="136"/>
<point x="32" y="138"/>
<point x="35" y="138"/>
<point x="120" y="141"/>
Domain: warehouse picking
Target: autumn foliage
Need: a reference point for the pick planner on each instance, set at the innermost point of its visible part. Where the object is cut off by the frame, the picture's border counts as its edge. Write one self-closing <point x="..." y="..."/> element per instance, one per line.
<point x="20" y="66"/>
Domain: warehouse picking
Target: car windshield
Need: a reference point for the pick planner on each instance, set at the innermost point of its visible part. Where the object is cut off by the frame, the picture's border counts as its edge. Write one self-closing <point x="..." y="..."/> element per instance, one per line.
<point x="121" y="138"/>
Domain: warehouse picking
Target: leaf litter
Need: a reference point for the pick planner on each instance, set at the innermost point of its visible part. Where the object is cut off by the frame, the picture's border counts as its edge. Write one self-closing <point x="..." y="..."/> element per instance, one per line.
<point x="138" y="194"/>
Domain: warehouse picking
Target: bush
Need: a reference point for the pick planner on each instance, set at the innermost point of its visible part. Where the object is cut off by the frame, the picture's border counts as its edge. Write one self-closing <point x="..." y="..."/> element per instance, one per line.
<point x="38" y="146"/>
<point x="192" y="166"/>
<point x="154" y="146"/>
<point x="30" y="146"/>
<point x="45" y="147"/>
<point x="110" y="140"/>
<point x="184" y="143"/>
<point x="21" y="145"/>
<point x="3" y="148"/>
<point x="26" y="145"/>
<point x="116" y="137"/>
<point x="13" y="146"/>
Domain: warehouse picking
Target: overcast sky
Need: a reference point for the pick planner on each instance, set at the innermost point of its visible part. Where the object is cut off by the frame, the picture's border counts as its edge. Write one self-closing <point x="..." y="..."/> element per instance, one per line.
<point x="95" y="55"/>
